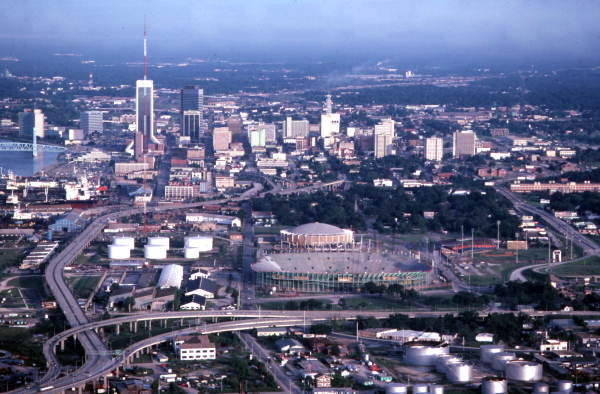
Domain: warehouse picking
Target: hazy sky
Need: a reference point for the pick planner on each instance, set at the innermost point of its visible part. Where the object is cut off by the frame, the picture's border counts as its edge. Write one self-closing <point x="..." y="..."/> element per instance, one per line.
<point x="312" y="29"/>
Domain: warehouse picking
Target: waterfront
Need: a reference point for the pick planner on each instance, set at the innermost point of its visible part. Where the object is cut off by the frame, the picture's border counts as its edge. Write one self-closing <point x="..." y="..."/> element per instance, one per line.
<point x="24" y="164"/>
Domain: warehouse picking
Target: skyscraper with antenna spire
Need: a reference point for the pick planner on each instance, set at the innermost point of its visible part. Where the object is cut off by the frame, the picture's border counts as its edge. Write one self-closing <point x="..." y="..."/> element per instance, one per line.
<point x="144" y="109"/>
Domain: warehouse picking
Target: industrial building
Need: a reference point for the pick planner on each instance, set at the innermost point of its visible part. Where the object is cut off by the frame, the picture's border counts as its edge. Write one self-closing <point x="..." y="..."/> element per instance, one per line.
<point x="171" y="276"/>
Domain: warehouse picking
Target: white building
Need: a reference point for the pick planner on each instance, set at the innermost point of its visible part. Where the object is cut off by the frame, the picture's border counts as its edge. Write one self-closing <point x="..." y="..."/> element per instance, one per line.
<point x="200" y="217"/>
<point x="383" y="137"/>
<point x="434" y="149"/>
<point x="295" y="128"/>
<point x="171" y="276"/>
<point x="194" y="347"/>
<point x="551" y="345"/>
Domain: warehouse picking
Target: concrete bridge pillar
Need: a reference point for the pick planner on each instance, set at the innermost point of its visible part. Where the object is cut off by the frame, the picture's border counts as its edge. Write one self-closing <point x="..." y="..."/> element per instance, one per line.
<point x="62" y="345"/>
<point x="131" y="326"/>
<point x="164" y="323"/>
<point x="118" y="329"/>
<point x="105" y="383"/>
<point x="135" y="324"/>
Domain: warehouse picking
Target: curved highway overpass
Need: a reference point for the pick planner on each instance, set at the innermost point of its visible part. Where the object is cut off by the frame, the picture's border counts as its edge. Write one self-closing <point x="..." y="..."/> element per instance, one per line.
<point x="96" y="351"/>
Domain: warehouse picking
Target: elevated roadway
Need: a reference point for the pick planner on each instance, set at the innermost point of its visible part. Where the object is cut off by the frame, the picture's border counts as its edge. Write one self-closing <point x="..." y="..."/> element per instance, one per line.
<point x="95" y="350"/>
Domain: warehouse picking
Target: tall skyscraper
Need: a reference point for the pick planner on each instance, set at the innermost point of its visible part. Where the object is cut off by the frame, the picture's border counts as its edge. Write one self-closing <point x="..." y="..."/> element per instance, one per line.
<point x="191" y="124"/>
<point x="30" y="120"/>
<point x="330" y="122"/>
<point x="144" y="109"/>
<point x="382" y="145"/>
<point x="270" y="131"/>
<point x="221" y="138"/>
<point x="91" y="121"/>
<point x="383" y="137"/>
<point x="463" y="143"/>
<point x="235" y="123"/>
<point x="296" y="128"/>
<point x="434" y="149"/>
<point x="192" y="99"/>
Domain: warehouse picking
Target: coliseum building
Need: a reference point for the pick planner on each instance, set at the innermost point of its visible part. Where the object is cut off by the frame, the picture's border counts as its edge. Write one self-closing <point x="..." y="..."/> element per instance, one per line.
<point x="317" y="257"/>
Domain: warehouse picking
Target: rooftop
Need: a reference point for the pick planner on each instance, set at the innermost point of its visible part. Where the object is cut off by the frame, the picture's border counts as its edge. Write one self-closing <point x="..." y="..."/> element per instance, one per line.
<point x="317" y="228"/>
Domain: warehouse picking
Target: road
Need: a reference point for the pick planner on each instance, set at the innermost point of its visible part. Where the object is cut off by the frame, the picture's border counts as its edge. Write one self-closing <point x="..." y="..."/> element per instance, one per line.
<point x="589" y="247"/>
<point x="284" y="381"/>
<point x="96" y="352"/>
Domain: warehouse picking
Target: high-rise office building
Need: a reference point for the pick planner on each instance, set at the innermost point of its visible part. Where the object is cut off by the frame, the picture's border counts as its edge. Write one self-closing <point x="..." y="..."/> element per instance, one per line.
<point x="91" y="122"/>
<point x="383" y="137"/>
<point x="192" y="99"/>
<point x="30" y="120"/>
<point x="270" y="131"/>
<point x="382" y="145"/>
<point x="258" y="137"/>
<point x="235" y="123"/>
<point x="144" y="110"/>
<point x="221" y="138"/>
<point x="191" y="125"/>
<point x="330" y="122"/>
<point x="144" y="113"/>
<point x="296" y="128"/>
<point x="463" y="143"/>
<point x="434" y="149"/>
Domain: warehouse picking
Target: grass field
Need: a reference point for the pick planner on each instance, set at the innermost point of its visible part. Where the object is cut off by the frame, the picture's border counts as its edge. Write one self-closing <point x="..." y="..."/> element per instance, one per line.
<point x="588" y="266"/>
<point x="30" y="282"/>
<point x="83" y="285"/>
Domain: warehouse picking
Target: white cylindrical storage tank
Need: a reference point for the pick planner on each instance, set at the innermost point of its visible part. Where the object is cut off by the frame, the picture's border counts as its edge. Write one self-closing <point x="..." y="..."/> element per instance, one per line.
<point x="565" y="386"/>
<point x="155" y="252"/>
<point x="191" y="253"/>
<point x="436" y="389"/>
<point x="523" y="371"/>
<point x="171" y="276"/>
<point x="494" y="385"/>
<point x="499" y="360"/>
<point x="124" y="241"/>
<point x="459" y="373"/>
<point x="159" y="241"/>
<point x="420" y="354"/>
<point x="540" y="388"/>
<point x="486" y="352"/>
<point x="119" y="252"/>
<point x="441" y="362"/>
<point x="203" y="242"/>
<point x="396" y="388"/>
<point x="420" y="388"/>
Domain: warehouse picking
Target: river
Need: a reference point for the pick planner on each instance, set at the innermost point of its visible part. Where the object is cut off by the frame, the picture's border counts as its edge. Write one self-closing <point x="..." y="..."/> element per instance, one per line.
<point x="24" y="164"/>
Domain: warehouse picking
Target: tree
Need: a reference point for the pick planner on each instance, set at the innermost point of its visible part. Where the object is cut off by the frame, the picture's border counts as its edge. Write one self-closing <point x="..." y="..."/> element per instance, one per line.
<point x="395" y="289"/>
<point x="321" y="329"/>
<point x="372" y="288"/>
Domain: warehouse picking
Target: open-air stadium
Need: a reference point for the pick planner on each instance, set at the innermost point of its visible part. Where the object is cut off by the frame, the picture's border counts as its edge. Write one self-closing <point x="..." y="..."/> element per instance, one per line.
<point x="324" y="258"/>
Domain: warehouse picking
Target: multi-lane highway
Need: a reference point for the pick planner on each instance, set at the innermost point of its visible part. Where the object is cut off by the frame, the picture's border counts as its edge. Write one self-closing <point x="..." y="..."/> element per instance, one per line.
<point x="96" y="351"/>
<point x="589" y="247"/>
<point x="97" y="355"/>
